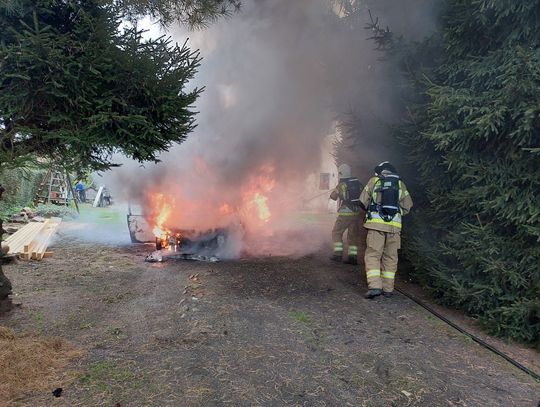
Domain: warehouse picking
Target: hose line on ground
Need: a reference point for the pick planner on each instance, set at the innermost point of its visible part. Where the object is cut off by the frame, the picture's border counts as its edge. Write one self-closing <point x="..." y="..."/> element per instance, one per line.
<point x="473" y="337"/>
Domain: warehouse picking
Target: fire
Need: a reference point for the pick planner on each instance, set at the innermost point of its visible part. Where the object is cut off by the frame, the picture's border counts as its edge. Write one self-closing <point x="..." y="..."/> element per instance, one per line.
<point x="262" y="208"/>
<point x="162" y="207"/>
<point x="249" y="206"/>
<point x="225" y="209"/>
<point x="255" y="197"/>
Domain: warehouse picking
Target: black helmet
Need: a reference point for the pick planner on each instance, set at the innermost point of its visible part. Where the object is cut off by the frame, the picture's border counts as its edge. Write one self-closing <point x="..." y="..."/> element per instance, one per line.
<point x="385" y="166"/>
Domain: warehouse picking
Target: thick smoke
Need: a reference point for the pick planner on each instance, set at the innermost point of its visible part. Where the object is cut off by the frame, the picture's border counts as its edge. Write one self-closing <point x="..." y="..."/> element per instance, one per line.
<point x="277" y="75"/>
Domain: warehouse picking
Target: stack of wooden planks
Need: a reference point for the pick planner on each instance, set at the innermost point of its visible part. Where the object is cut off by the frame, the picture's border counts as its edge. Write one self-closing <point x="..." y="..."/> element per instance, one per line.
<point x="32" y="240"/>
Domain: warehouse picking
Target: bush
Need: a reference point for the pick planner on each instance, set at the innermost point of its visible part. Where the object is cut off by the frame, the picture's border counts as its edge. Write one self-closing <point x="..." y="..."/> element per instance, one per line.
<point x="21" y="185"/>
<point x="473" y="139"/>
<point x="60" y="211"/>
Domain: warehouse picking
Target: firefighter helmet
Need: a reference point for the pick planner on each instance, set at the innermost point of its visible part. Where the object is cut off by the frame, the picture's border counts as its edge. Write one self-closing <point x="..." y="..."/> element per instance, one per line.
<point x="344" y="171"/>
<point x="384" y="166"/>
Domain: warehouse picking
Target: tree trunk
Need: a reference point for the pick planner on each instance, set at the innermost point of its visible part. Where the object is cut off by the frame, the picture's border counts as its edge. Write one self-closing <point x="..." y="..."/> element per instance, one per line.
<point x="5" y="284"/>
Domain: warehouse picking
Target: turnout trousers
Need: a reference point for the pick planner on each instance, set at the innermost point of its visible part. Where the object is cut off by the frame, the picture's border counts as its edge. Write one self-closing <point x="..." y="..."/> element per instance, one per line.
<point x="351" y="224"/>
<point x="381" y="259"/>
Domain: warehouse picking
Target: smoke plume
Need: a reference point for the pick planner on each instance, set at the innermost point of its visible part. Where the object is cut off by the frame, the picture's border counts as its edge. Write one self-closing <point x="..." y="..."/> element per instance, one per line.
<point x="276" y="77"/>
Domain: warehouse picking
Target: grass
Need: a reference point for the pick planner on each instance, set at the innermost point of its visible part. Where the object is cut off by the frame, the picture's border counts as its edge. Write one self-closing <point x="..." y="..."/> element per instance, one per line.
<point x="37" y="316"/>
<point x="62" y="211"/>
<point x="32" y="363"/>
<point x="38" y="319"/>
<point x="107" y="215"/>
<point x="111" y="381"/>
<point x="313" y="336"/>
<point x="301" y="316"/>
<point x="7" y="210"/>
<point x="87" y="325"/>
<point x="104" y="375"/>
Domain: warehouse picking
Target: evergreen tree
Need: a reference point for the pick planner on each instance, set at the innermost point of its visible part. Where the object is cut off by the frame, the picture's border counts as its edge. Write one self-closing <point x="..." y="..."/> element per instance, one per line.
<point x="474" y="138"/>
<point x="193" y="13"/>
<point x="361" y="136"/>
<point x="366" y="110"/>
<point x="76" y="87"/>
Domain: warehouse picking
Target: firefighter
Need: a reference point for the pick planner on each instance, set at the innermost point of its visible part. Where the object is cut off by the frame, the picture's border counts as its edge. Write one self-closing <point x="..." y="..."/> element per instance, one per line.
<point x="386" y="200"/>
<point x="347" y="193"/>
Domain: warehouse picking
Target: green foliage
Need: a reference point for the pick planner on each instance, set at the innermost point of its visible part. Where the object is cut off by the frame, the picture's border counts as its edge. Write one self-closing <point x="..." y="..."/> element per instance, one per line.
<point x="474" y="138"/>
<point x="21" y="185"/>
<point x="365" y="127"/>
<point x="77" y="86"/>
<point x="109" y="377"/>
<point x="193" y="13"/>
<point x="301" y="316"/>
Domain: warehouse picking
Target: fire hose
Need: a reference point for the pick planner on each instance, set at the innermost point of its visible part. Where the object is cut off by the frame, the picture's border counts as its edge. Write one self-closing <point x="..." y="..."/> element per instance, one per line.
<point x="317" y="196"/>
<point x="481" y="342"/>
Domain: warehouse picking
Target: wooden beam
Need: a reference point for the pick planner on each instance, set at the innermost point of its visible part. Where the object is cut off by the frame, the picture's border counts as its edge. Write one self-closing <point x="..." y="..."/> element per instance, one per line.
<point x="24" y="236"/>
<point x="44" y="238"/>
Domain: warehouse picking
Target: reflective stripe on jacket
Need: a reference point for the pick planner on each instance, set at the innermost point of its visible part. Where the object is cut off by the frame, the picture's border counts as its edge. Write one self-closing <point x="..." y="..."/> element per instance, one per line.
<point x="373" y="218"/>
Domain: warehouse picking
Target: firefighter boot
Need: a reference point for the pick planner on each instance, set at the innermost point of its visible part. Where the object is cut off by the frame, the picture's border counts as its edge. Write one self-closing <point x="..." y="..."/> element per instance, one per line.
<point x="351" y="260"/>
<point x="374" y="292"/>
<point x="336" y="257"/>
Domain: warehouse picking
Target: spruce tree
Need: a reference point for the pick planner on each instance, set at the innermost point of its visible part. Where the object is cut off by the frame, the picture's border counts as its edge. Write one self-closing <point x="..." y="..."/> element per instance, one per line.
<point x="193" y="13"/>
<point x="474" y="139"/>
<point x="76" y="86"/>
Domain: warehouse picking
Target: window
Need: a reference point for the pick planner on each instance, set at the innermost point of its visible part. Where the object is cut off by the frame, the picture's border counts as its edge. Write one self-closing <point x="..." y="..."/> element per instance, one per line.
<point x="324" y="181"/>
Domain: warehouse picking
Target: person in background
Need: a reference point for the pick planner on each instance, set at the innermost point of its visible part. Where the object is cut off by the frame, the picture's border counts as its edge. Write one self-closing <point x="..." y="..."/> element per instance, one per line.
<point x="386" y="199"/>
<point x="347" y="193"/>
<point x="81" y="191"/>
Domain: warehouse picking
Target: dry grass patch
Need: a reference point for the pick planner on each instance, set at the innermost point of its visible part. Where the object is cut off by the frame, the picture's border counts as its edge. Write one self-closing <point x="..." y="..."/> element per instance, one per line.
<point x="31" y="363"/>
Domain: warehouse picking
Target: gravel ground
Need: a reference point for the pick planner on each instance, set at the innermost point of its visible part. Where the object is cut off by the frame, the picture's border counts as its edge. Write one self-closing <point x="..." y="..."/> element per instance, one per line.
<point x="268" y="331"/>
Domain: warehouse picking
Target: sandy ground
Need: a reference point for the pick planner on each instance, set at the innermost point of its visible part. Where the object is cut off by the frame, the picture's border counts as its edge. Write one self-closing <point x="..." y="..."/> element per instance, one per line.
<point x="261" y="331"/>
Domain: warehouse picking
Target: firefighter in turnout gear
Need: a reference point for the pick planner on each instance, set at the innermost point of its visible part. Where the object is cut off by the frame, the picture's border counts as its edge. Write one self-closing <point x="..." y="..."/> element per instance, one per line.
<point x="386" y="200"/>
<point x="347" y="193"/>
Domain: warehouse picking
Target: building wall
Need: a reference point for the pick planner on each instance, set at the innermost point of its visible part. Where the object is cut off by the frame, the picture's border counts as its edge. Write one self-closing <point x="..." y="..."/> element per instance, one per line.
<point x="320" y="184"/>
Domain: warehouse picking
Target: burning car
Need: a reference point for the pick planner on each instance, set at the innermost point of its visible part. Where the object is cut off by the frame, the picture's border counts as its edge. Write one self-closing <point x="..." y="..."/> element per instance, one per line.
<point x="181" y="223"/>
<point x="178" y="243"/>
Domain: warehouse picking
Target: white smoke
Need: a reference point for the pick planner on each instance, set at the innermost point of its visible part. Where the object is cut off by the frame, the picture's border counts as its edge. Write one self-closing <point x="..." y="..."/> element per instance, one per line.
<point x="275" y="77"/>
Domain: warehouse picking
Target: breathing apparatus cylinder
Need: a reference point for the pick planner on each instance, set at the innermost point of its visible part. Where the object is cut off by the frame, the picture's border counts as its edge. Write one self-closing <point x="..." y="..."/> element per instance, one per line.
<point x="389" y="190"/>
<point x="389" y="206"/>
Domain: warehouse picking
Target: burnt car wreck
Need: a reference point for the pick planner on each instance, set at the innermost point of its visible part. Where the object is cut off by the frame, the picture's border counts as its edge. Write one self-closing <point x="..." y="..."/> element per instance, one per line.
<point x="178" y="244"/>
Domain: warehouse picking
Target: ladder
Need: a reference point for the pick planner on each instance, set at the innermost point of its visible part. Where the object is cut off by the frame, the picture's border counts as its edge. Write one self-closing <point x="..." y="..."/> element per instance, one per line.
<point x="55" y="188"/>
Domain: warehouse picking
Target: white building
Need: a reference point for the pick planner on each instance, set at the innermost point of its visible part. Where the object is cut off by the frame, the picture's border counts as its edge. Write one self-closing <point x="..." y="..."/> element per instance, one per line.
<point x="319" y="185"/>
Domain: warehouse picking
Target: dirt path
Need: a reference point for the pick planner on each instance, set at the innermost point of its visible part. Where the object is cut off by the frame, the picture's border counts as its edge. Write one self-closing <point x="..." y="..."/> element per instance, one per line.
<point x="269" y="332"/>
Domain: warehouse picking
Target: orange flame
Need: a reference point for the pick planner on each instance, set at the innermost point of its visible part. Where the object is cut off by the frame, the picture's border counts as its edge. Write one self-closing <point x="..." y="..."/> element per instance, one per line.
<point x="162" y="207"/>
<point x="262" y="208"/>
<point x="254" y="195"/>
<point x="225" y="209"/>
<point x="251" y="206"/>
